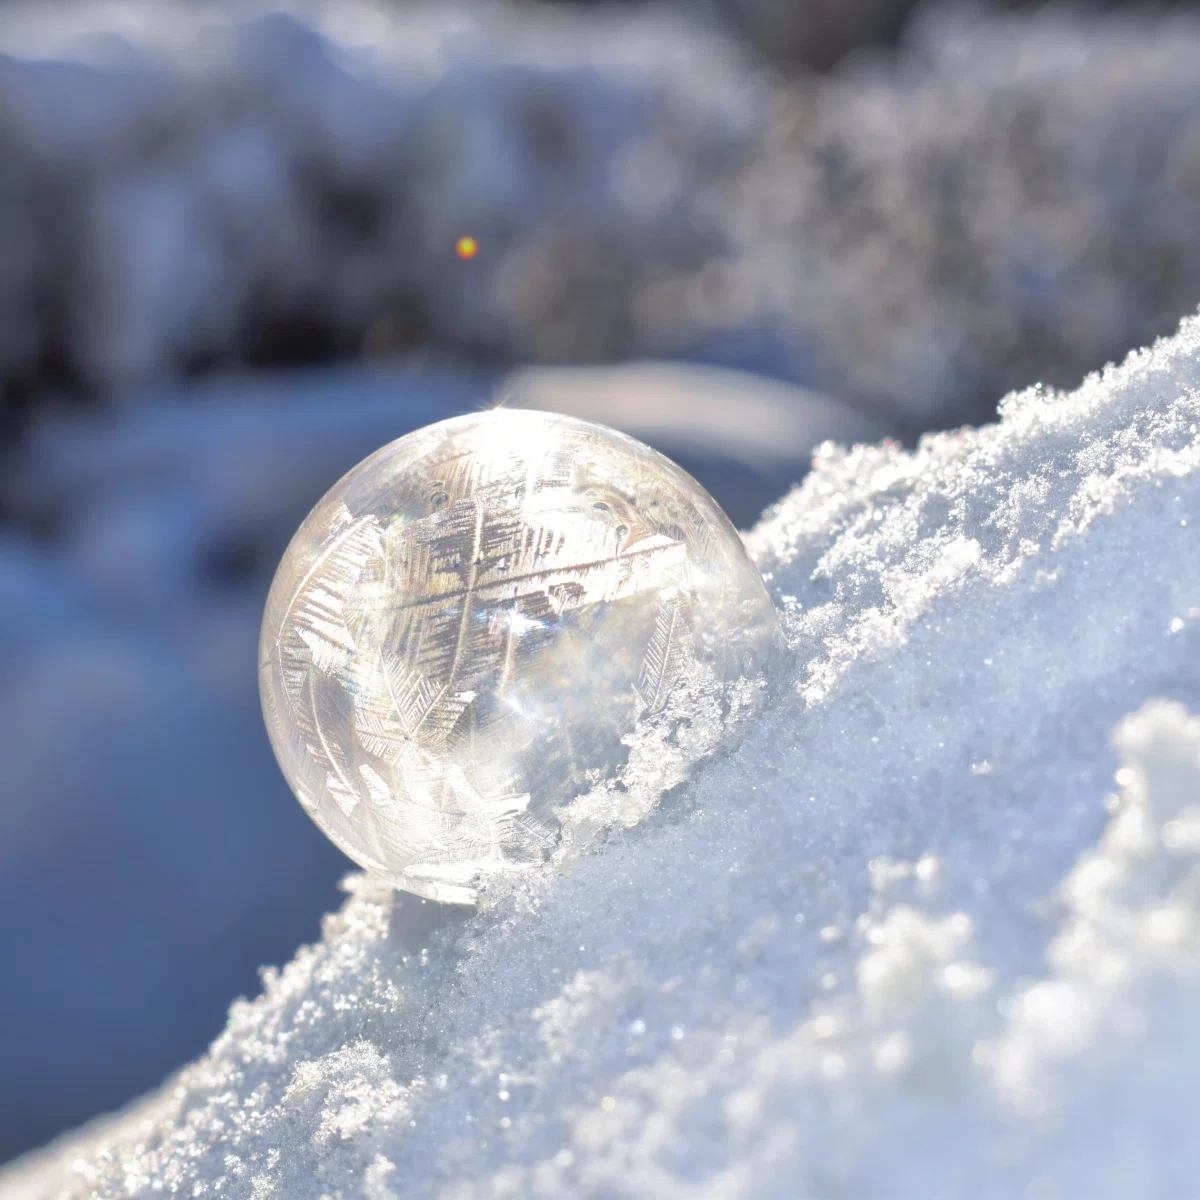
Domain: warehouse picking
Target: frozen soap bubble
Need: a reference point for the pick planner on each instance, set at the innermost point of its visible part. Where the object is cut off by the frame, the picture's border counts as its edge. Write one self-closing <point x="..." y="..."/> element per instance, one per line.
<point x="466" y="631"/>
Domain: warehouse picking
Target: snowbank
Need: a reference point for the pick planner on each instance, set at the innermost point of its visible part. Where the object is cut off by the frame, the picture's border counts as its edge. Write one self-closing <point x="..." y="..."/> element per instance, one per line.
<point x="128" y="671"/>
<point x="930" y="930"/>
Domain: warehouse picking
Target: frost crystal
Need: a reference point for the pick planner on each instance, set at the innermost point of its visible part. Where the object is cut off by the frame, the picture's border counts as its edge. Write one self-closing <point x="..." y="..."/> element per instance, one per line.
<point x="465" y="631"/>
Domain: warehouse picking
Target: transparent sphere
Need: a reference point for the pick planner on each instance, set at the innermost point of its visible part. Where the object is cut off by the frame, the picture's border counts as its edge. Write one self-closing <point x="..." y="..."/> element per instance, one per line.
<point x="466" y="630"/>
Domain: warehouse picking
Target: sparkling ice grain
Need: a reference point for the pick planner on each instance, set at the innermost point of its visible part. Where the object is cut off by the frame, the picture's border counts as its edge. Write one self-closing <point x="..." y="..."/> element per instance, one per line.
<point x="464" y="633"/>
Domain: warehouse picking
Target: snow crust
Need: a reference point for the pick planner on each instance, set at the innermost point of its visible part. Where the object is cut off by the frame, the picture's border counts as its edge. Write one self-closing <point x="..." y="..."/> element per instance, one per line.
<point x="929" y="930"/>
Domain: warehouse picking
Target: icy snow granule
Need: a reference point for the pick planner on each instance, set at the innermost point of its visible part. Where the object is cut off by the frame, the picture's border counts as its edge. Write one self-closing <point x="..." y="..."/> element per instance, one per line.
<point x="929" y="931"/>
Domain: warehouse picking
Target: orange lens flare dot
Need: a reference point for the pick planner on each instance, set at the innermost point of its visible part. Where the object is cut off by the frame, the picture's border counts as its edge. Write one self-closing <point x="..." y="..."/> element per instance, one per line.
<point x="466" y="247"/>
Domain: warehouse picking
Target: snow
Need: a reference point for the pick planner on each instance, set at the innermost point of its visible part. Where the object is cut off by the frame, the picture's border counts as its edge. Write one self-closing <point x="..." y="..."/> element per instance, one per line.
<point x="132" y="581"/>
<point x="929" y="930"/>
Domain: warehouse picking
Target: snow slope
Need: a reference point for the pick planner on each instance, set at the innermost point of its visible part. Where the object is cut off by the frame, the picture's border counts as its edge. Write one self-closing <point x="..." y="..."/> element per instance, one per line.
<point x="128" y="671"/>
<point x="930" y="930"/>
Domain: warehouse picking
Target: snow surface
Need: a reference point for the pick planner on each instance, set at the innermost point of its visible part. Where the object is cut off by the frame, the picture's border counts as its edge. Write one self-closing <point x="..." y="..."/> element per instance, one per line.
<point x="930" y="930"/>
<point x="128" y="671"/>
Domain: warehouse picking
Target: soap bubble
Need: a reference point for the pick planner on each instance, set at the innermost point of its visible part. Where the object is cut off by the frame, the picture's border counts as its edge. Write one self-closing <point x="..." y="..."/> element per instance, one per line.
<point x="465" y="633"/>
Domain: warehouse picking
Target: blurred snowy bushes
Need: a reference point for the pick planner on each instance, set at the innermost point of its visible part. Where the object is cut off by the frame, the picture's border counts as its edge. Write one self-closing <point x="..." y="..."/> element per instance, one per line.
<point x="1010" y="197"/>
<point x="193" y="185"/>
<point x="815" y="32"/>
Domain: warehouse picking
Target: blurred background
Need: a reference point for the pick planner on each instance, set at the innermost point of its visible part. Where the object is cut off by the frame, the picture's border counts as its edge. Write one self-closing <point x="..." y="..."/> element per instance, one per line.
<point x="230" y="267"/>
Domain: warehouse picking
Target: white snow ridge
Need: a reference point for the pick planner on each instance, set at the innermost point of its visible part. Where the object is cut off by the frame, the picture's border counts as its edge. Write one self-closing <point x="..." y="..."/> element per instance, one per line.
<point x="930" y="930"/>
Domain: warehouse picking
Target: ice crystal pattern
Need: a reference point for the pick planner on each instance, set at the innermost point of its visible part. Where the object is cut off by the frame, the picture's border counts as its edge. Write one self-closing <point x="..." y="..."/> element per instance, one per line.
<point x="465" y="632"/>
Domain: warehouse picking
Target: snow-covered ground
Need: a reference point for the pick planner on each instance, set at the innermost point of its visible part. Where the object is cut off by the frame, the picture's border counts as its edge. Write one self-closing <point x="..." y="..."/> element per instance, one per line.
<point x="128" y="672"/>
<point x="930" y="930"/>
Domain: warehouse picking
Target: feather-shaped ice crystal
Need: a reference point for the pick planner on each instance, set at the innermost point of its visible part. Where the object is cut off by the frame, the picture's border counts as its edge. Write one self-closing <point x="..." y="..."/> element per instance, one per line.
<point x="466" y="630"/>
